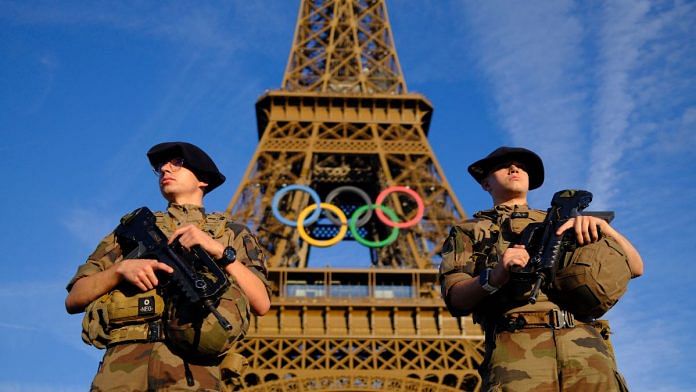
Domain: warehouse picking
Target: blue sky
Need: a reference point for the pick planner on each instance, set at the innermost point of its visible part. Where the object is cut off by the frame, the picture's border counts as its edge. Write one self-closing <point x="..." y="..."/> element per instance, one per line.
<point x="603" y="91"/>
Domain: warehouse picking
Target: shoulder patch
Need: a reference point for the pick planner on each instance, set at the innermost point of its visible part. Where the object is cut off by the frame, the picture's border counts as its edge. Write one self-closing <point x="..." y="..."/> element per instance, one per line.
<point x="237" y="228"/>
<point x="472" y="225"/>
<point x="491" y="215"/>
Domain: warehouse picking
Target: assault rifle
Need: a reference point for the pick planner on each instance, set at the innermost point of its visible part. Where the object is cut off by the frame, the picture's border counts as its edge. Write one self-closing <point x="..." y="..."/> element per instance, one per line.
<point x="196" y="279"/>
<point x="546" y="249"/>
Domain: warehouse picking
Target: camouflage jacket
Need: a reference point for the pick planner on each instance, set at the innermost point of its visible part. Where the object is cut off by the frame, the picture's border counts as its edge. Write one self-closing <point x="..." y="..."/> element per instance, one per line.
<point x="231" y="234"/>
<point x="477" y="244"/>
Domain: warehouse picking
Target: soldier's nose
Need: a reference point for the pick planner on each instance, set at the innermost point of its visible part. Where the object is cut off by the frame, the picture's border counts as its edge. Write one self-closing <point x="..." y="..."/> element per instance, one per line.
<point x="167" y="168"/>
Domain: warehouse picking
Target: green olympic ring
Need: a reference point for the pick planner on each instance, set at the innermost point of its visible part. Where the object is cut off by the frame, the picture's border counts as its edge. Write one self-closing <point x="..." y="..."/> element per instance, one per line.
<point x="373" y="244"/>
<point x="391" y="219"/>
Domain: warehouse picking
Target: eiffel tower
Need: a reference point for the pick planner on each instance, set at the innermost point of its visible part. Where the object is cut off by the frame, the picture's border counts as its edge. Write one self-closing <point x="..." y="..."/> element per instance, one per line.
<point x="344" y="126"/>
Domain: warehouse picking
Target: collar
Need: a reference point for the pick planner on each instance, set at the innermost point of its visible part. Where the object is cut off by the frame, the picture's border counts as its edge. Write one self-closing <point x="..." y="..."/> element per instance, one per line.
<point x="502" y="211"/>
<point x="507" y="209"/>
<point x="186" y="212"/>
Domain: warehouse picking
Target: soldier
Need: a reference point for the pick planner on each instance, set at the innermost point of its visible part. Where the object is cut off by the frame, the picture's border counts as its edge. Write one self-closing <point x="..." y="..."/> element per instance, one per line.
<point x="529" y="347"/>
<point x="126" y="314"/>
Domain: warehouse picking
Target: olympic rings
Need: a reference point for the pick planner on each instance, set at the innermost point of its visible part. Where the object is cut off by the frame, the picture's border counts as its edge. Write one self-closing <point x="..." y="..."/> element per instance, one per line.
<point x="337" y="216"/>
<point x="279" y="195"/>
<point x="322" y="243"/>
<point x="373" y="244"/>
<point x="419" y="204"/>
<point x="353" y="189"/>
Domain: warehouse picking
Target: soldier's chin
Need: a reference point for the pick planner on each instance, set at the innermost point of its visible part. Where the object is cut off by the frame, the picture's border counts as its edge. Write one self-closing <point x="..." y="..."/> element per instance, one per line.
<point x="168" y="192"/>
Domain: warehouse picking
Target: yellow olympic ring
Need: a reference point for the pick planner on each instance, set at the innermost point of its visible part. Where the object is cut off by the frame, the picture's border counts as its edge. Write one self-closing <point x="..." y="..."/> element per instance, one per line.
<point x="322" y="243"/>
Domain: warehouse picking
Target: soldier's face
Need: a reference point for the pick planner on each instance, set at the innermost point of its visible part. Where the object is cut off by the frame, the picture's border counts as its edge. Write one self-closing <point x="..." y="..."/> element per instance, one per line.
<point x="175" y="182"/>
<point x="509" y="178"/>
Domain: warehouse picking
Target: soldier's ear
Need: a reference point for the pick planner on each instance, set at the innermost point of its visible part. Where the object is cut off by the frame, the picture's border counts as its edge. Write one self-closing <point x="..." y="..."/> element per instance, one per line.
<point x="485" y="185"/>
<point x="202" y="184"/>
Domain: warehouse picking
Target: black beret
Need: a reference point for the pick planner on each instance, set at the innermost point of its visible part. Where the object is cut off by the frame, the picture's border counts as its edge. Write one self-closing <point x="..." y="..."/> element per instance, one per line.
<point x="531" y="161"/>
<point x="195" y="160"/>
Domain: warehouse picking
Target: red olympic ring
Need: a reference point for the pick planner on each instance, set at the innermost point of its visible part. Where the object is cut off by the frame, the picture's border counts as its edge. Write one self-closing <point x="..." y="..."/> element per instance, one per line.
<point x="419" y="203"/>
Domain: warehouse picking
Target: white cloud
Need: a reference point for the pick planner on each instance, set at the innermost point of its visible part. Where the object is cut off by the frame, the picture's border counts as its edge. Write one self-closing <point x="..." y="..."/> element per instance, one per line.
<point x="624" y="31"/>
<point x="29" y="306"/>
<point x="88" y="225"/>
<point x="651" y="341"/>
<point x="682" y="137"/>
<point x="213" y="46"/>
<point x="532" y="55"/>
<point x="224" y="28"/>
<point x="620" y="122"/>
<point x="645" y="90"/>
<point x="10" y="386"/>
<point x="18" y="326"/>
<point x="198" y="26"/>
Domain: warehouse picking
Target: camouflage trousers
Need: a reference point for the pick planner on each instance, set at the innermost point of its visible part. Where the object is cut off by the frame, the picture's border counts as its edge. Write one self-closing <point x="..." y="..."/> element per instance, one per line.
<point x="145" y="367"/>
<point x="546" y="359"/>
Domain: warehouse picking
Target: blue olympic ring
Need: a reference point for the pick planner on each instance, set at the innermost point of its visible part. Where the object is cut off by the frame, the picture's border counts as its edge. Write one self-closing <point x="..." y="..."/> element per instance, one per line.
<point x="279" y="195"/>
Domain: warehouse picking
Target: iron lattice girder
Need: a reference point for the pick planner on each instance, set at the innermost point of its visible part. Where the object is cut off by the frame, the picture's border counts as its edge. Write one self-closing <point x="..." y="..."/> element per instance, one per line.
<point x="352" y="382"/>
<point x="406" y="358"/>
<point x="302" y="107"/>
<point x="343" y="46"/>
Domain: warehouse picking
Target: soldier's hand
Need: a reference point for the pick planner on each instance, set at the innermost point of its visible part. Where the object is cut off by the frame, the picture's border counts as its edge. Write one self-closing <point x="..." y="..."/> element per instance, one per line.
<point x="515" y="255"/>
<point x="141" y="272"/>
<point x="587" y="228"/>
<point x="190" y="236"/>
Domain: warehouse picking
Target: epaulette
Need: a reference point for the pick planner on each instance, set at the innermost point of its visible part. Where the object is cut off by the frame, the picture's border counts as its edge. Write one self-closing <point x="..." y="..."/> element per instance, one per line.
<point x="237" y="228"/>
<point x="476" y="228"/>
<point x="491" y="215"/>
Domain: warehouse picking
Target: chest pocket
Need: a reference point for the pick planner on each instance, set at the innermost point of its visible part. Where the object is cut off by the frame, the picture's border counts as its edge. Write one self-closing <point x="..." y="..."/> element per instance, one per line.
<point x="515" y="225"/>
<point x="485" y="249"/>
<point x="215" y="226"/>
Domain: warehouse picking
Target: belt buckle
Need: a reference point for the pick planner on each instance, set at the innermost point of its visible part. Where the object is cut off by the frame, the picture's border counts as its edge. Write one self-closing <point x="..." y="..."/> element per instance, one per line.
<point x="561" y="319"/>
<point x="570" y="319"/>
<point x="557" y="319"/>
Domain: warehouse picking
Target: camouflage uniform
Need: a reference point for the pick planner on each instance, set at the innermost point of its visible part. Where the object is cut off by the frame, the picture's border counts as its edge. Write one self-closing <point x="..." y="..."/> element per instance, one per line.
<point x="529" y="347"/>
<point x="152" y="366"/>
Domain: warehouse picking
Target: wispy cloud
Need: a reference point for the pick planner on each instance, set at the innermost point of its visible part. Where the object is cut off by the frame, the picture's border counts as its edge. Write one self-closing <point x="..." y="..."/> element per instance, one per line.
<point x="623" y="33"/>
<point x="9" y="386"/>
<point x="532" y="55"/>
<point x="29" y="306"/>
<point x="88" y="225"/>
<point x="213" y="46"/>
<point x="645" y="97"/>
<point x="18" y="326"/>
<point x="680" y="137"/>
<point x="29" y="289"/>
<point x="606" y="95"/>
<point x="651" y="341"/>
<point x="197" y="26"/>
<point x="223" y="27"/>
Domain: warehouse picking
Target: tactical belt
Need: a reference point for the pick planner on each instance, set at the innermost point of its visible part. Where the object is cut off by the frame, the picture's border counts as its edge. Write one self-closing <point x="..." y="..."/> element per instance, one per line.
<point x="148" y="332"/>
<point x="554" y="318"/>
